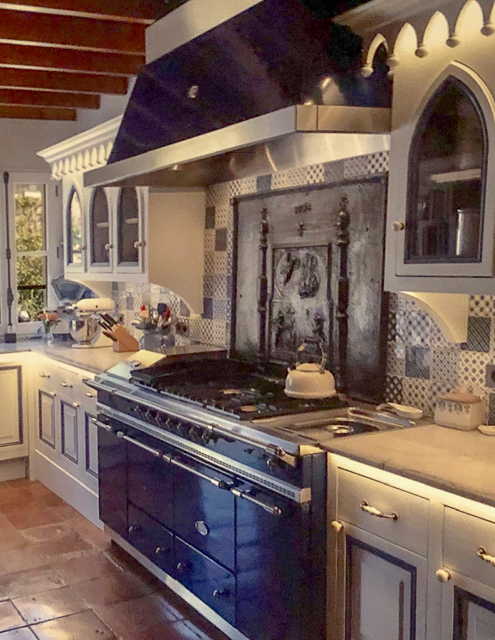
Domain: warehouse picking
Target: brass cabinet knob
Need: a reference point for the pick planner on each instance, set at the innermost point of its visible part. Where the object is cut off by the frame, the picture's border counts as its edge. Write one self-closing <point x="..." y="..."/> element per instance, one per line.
<point x="398" y="225"/>
<point x="337" y="526"/>
<point x="442" y="575"/>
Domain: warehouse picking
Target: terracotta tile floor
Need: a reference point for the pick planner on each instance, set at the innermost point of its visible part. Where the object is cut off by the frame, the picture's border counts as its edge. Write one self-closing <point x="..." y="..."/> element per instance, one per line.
<point x="61" y="578"/>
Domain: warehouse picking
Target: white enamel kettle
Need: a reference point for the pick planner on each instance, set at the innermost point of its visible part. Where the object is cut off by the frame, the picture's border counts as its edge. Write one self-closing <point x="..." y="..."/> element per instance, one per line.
<point x="310" y="380"/>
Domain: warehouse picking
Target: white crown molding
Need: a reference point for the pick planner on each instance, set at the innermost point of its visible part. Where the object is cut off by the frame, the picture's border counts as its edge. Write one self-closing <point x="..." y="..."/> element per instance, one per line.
<point x="82" y="152"/>
<point x="378" y="14"/>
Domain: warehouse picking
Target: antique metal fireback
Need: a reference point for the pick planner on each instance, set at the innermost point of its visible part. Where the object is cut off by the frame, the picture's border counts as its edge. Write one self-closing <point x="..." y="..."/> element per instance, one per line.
<point x="286" y="289"/>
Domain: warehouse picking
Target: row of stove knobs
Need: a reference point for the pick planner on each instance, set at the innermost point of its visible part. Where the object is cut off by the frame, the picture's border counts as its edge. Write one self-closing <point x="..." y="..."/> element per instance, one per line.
<point x="174" y="425"/>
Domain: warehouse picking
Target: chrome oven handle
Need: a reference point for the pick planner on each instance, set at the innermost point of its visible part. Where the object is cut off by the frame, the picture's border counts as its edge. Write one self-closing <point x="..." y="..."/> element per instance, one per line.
<point x="221" y="484"/>
<point x="154" y="452"/>
<point x="100" y="424"/>
<point x="244" y="495"/>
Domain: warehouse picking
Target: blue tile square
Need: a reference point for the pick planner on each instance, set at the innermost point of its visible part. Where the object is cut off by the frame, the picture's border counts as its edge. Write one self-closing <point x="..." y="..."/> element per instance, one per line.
<point x="221" y="240"/>
<point x="129" y="302"/>
<point x="418" y="362"/>
<point x="229" y="287"/>
<point x="210" y="218"/>
<point x="184" y="310"/>
<point x="208" y="308"/>
<point x="478" y="338"/>
<point x="491" y="408"/>
<point x="264" y="183"/>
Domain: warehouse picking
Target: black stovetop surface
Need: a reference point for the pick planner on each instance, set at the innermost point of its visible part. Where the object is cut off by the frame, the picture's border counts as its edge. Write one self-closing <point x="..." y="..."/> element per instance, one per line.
<point x="234" y="388"/>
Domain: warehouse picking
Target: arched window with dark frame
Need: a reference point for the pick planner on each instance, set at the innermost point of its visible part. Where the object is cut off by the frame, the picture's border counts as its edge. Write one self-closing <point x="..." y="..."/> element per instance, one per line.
<point x="74" y="229"/>
<point x="447" y="171"/>
<point x="100" y="227"/>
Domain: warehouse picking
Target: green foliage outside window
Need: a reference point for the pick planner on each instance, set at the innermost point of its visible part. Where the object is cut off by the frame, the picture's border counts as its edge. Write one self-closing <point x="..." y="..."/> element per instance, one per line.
<point x="30" y="237"/>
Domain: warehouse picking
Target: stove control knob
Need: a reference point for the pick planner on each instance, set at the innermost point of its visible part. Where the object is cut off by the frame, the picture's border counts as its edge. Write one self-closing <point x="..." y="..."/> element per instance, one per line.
<point x="196" y="434"/>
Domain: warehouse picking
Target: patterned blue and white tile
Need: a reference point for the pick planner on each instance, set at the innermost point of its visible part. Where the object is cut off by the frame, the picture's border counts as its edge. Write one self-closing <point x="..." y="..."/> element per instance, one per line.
<point x="417" y="393"/>
<point x="418" y="362"/>
<point x="445" y="366"/>
<point x="396" y="359"/>
<point x="393" y="389"/>
<point x="333" y="171"/>
<point x="418" y="330"/>
<point x="315" y="174"/>
<point x="478" y="334"/>
<point x="220" y="264"/>
<point x="219" y="333"/>
<point x="481" y="305"/>
<point x="209" y="242"/>
<point x="472" y="367"/>
<point x="354" y="167"/>
<point x="377" y="162"/>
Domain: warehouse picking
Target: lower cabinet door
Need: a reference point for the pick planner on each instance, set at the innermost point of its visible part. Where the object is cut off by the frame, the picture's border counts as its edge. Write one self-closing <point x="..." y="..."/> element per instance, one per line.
<point x="112" y="481"/>
<point x="69" y="430"/>
<point x="47" y="417"/>
<point x="213" y="584"/>
<point x="151" y="539"/>
<point x="468" y="608"/>
<point x="11" y="419"/>
<point x="384" y="589"/>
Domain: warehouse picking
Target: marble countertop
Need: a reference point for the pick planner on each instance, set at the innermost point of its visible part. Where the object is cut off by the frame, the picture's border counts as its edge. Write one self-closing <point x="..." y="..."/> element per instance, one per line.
<point x="93" y="360"/>
<point x="461" y="462"/>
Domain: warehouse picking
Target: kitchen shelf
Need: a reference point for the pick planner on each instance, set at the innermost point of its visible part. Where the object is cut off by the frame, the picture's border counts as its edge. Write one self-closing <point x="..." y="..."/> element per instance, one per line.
<point x="456" y="176"/>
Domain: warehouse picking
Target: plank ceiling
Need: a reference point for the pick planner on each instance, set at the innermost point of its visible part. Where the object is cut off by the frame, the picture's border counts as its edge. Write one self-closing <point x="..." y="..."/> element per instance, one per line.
<point x="57" y="56"/>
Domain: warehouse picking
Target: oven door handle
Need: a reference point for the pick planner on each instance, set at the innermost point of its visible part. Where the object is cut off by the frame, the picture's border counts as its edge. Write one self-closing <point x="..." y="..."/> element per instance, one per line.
<point x="154" y="452"/>
<point x="100" y="424"/>
<point x="245" y="495"/>
<point x="221" y="484"/>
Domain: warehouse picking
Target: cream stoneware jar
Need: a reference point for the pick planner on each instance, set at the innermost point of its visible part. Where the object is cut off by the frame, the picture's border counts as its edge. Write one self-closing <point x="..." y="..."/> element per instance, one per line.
<point x="462" y="408"/>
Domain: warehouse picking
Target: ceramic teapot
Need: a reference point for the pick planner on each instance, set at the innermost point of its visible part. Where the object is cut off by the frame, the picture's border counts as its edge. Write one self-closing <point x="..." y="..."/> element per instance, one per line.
<point x="309" y="379"/>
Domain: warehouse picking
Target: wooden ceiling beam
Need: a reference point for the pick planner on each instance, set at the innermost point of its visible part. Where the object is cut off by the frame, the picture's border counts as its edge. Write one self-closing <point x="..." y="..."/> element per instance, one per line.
<point x="12" y="55"/>
<point x="71" y="32"/>
<point x="60" y="81"/>
<point x="140" y="11"/>
<point x="24" y="97"/>
<point x="37" y="113"/>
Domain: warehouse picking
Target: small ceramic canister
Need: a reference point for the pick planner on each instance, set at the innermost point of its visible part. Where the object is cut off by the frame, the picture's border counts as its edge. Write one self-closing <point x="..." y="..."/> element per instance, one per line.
<point x="462" y="408"/>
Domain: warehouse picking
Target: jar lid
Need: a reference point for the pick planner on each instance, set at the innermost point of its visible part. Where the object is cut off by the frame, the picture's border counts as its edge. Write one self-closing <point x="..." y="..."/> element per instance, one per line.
<point x="461" y="395"/>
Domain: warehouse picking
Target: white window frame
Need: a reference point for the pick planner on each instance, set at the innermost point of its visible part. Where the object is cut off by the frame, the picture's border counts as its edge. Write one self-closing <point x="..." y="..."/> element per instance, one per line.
<point x="53" y="243"/>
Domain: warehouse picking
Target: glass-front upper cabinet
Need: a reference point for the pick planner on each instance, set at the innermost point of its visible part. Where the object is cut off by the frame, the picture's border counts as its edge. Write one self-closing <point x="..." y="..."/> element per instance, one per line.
<point x="75" y="249"/>
<point x="441" y="209"/>
<point x="99" y="232"/>
<point x="447" y="180"/>
<point x="129" y="232"/>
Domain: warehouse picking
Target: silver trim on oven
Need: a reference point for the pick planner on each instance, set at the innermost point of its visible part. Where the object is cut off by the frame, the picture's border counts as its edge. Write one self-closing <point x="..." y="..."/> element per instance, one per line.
<point x="285" y="489"/>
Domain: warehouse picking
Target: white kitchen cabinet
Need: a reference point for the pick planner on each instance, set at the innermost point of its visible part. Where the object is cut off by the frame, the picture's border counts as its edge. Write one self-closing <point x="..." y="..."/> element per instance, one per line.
<point x="65" y="448"/>
<point x="434" y="579"/>
<point x="14" y="415"/>
<point x="378" y="591"/>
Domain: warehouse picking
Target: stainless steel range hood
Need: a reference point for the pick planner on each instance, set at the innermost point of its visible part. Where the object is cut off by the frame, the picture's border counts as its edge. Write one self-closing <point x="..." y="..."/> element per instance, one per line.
<point x="269" y="89"/>
<point x="294" y="136"/>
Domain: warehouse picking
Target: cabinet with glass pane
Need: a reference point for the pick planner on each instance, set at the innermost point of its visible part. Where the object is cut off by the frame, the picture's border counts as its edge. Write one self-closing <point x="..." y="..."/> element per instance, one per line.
<point x="75" y="249"/>
<point x="100" y="232"/>
<point x="441" y="212"/>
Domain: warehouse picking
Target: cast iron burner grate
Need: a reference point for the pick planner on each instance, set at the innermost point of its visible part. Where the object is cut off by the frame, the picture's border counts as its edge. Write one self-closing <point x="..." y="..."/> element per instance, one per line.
<point x="230" y="387"/>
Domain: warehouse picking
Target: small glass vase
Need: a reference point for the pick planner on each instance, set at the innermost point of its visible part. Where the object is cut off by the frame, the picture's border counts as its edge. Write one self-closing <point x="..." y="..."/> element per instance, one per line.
<point x="48" y="336"/>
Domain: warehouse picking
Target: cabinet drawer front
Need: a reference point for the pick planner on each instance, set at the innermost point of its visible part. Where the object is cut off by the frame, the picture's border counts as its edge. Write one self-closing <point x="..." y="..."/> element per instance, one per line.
<point x="151" y="539"/>
<point x="464" y="535"/>
<point x="204" y="515"/>
<point x="206" y="579"/>
<point x="360" y="499"/>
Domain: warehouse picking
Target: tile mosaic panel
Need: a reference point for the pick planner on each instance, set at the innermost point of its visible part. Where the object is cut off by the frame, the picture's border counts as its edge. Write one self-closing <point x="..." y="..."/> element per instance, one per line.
<point x="478" y="338"/>
<point x="417" y="362"/>
<point x="393" y="389"/>
<point x="445" y="366"/>
<point x="396" y="359"/>
<point x="418" y="329"/>
<point x="480" y="306"/>
<point x="417" y="393"/>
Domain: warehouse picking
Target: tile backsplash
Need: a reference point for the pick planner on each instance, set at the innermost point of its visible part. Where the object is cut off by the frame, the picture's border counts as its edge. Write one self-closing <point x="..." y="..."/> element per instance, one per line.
<point x="420" y="363"/>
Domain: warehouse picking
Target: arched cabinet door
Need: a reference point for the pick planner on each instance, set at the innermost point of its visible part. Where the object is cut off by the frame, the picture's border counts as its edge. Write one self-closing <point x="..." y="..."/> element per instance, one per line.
<point x="129" y="237"/>
<point x="100" y="245"/>
<point x="75" y="249"/>
<point x="444" y="222"/>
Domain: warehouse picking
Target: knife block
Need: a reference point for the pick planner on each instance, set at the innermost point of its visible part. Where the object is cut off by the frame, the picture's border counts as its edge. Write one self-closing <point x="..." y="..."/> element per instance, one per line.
<point x="124" y="342"/>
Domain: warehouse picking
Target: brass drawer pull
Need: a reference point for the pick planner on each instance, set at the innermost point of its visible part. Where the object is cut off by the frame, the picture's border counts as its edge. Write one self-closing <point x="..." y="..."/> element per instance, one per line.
<point x="65" y="385"/>
<point x="485" y="556"/>
<point x="377" y="513"/>
<point x="44" y="375"/>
